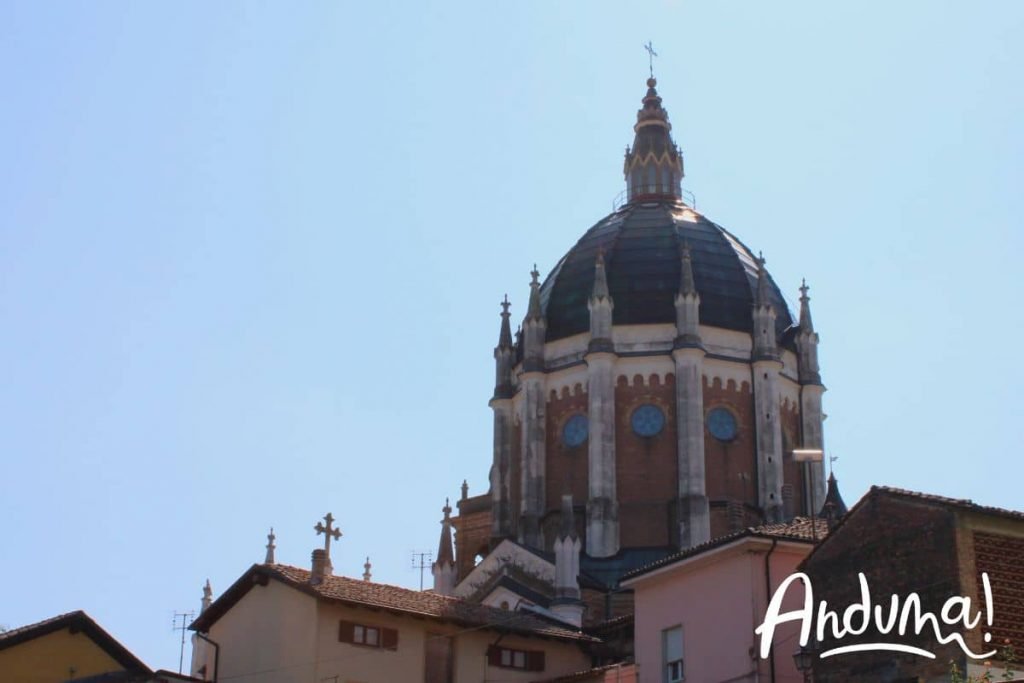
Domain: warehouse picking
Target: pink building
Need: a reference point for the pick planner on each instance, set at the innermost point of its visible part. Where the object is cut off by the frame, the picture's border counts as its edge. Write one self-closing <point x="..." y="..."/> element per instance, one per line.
<point x="696" y="611"/>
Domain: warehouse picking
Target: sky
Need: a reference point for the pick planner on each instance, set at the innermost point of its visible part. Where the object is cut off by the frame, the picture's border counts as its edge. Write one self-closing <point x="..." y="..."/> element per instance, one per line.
<point x="251" y="255"/>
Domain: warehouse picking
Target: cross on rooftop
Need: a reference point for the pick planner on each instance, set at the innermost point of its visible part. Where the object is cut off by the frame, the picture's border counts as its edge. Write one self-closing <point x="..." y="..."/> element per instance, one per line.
<point x="328" y="531"/>
<point x="651" y="54"/>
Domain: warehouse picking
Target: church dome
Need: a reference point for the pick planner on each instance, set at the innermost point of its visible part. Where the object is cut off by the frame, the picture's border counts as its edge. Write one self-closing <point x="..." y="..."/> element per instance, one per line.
<point x="641" y="243"/>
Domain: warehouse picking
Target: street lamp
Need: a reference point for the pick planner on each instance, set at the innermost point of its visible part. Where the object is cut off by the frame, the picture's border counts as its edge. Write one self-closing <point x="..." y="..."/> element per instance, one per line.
<point x="804" y="661"/>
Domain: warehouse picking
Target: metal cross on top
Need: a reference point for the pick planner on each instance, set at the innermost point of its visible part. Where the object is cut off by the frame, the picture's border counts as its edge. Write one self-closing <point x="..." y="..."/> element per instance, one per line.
<point x="329" y="531"/>
<point x="651" y="54"/>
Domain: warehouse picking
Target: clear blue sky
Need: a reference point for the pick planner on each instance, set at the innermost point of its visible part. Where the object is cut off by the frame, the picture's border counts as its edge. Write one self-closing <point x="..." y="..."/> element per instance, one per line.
<point x="251" y="256"/>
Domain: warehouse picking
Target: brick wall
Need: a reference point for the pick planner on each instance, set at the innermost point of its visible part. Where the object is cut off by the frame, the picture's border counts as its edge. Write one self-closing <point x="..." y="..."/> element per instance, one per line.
<point x="647" y="469"/>
<point x="793" y="471"/>
<point x="731" y="466"/>
<point x="472" y="532"/>
<point x="1002" y="557"/>
<point x="901" y="546"/>
<point x="566" y="467"/>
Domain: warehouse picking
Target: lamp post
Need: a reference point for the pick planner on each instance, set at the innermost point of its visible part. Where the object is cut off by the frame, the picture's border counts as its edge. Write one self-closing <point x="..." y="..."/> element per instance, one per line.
<point x="806" y="456"/>
<point x="804" y="661"/>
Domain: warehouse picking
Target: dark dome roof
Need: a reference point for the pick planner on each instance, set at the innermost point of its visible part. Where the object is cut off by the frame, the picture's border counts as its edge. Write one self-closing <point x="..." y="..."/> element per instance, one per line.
<point x="641" y="243"/>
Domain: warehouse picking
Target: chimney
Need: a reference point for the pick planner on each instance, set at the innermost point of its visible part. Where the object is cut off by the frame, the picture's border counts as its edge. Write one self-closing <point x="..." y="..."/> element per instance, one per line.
<point x="321" y="567"/>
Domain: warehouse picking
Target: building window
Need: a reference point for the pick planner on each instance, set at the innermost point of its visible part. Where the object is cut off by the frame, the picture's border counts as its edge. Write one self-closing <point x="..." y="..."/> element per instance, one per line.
<point x="508" y="658"/>
<point x="722" y="423"/>
<point x="672" y="654"/>
<point x="647" y="420"/>
<point x="575" y="431"/>
<point x="368" y="636"/>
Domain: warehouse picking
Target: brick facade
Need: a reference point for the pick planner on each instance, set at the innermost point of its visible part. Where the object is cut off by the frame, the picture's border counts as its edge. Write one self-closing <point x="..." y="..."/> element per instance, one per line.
<point x="646" y="467"/>
<point x="472" y="532"/>
<point x="1000" y="556"/>
<point x="566" y="467"/>
<point x="731" y="466"/>
<point x="909" y="544"/>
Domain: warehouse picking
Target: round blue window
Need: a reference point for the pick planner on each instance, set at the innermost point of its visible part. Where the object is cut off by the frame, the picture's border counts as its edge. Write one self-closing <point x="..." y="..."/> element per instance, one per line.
<point x="648" y="420"/>
<point x="722" y="424"/>
<point x="575" y="431"/>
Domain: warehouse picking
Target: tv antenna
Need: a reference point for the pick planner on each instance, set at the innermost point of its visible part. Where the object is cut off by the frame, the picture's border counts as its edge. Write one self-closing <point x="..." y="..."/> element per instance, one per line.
<point x="185" y="618"/>
<point x="421" y="560"/>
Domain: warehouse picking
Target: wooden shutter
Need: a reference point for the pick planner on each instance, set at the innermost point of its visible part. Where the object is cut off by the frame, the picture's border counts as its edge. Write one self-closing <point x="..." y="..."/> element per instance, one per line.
<point x="494" y="655"/>
<point x="535" y="660"/>
<point x="346" y="632"/>
<point x="389" y="638"/>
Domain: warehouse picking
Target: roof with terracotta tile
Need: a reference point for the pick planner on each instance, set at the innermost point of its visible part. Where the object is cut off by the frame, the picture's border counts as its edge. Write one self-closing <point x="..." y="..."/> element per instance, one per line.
<point x="800" y="529"/>
<point x="79" y="622"/>
<point x="612" y="624"/>
<point x="357" y="593"/>
<point x="962" y="503"/>
<point x="588" y="674"/>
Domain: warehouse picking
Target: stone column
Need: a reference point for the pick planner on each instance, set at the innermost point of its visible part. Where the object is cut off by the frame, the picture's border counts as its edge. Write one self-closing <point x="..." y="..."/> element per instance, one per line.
<point x="769" y="438"/>
<point x="501" y="404"/>
<point x="688" y="354"/>
<point x="694" y="513"/>
<point x="812" y="423"/>
<point x="501" y="514"/>
<point x="811" y="390"/>
<point x="766" y="368"/>
<point x="533" y="459"/>
<point x="533" y="383"/>
<point x="567" y="605"/>
<point x="602" y="503"/>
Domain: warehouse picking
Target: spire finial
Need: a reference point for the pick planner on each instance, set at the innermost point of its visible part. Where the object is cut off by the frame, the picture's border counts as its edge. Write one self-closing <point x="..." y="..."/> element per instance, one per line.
<point x="505" y="335"/>
<point x="806" y="324"/>
<point x="568" y="525"/>
<point x="600" y="277"/>
<point x="445" y="552"/>
<point x="686" y="283"/>
<point x="207" y="596"/>
<point x="270" y="547"/>
<point x="533" y="312"/>
<point x="651" y="54"/>
<point x="762" y="281"/>
<point x="834" y="506"/>
<point x="366" y="569"/>
<point x="465" y="489"/>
